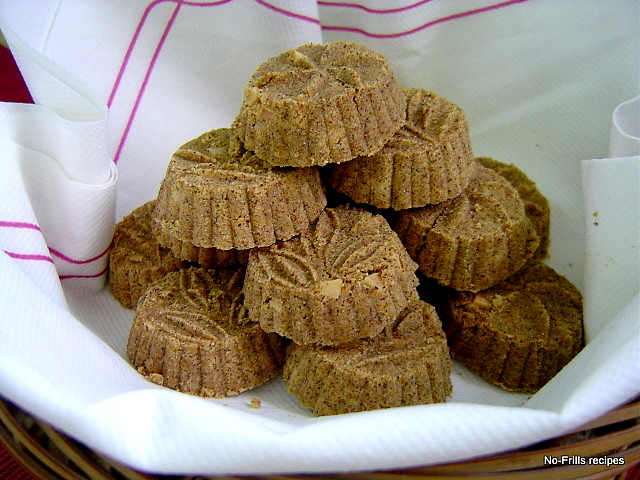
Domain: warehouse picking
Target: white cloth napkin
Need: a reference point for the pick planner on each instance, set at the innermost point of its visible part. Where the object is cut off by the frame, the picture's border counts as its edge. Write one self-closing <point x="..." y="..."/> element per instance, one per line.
<point x="119" y="85"/>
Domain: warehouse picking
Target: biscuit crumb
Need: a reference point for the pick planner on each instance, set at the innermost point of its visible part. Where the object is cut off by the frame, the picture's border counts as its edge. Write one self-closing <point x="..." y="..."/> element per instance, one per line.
<point x="373" y="281"/>
<point x="255" y="403"/>
<point x="331" y="288"/>
<point x="481" y="302"/>
<point x="252" y="95"/>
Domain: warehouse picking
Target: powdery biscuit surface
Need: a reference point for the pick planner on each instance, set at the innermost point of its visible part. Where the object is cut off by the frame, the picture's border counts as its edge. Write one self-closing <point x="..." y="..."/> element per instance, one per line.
<point x="346" y="278"/>
<point x="427" y="161"/>
<point x="192" y="333"/>
<point x="473" y="241"/>
<point x="214" y="196"/>
<point x="408" y="363"/>
<point x="136" y="258"/>
<point x="519" y="333"/>
<point x="319" y="104"/>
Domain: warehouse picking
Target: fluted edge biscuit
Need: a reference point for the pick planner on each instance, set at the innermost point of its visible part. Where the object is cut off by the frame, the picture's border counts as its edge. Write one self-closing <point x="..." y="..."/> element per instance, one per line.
<point x="319" y="104"/>
<point x="136" y="258"/>
<point x="535" y="203"/>
<point x="191" y="333"/>
<point x="519" y="333"/>
<point x="427" y="161"/>
<point x="347" y="277"/>
<point x="213" y="196"/>
<point x="408" y="363"/>
<point x="473" y="241"/>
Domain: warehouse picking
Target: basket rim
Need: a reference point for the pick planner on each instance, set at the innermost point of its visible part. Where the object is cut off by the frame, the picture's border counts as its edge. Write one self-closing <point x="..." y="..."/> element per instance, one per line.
<point x="51" y="455"/>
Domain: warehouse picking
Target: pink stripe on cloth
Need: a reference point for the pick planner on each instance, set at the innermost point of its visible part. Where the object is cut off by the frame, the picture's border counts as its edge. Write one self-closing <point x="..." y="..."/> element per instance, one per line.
<point x="424" y="26"/>
<point x="154" y="58"/>
<point x="44" y="258"/>
<point x="9" y="224"/>
<point x="147" y="75"/>
<point x="373" y="10"/>
<point x="136" y="35"/>
<point x="27" y="256"/>
<point x="287" y="13"/>
<point x="24" y="256"/>
<point x="95" y="275"/>
<point x="62" y="256"/>
<point x="57" y="253"/>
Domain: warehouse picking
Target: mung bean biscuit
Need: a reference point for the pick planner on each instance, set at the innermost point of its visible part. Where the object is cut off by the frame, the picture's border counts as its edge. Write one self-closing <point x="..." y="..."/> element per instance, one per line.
<point x="519" y="333"/>
<point x="536" y="205"/>
<point x="216" y="196"/>
<point x="473" y="241"/>
<point x="191" y="333"/>
<point x="427" y="161"/>
<point x="408" y="363"/>
<point x="346" y="278"/>
<point x="136" y="258"/>
<point x="319" y="104"/>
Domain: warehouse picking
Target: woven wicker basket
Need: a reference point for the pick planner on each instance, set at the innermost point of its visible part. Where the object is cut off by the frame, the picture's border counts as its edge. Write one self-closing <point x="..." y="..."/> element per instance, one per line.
<point x="50" y="455"/>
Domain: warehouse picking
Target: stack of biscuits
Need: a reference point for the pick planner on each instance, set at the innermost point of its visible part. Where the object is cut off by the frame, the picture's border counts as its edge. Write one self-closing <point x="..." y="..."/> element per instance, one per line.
<point x="300" y="240"/>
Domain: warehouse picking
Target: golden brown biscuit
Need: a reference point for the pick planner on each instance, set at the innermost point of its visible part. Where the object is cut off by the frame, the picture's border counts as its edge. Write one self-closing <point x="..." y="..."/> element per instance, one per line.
<point x="192" y="333"/>
<point x="474" y="240"/>
<point x="319" y="104"/>
<point x="214" y="197"/>
<point x="429" y="160"/>
<point x="407" y="364"/>
<point x="136" y="258"/>
<point x="346" y="278"/>
<point x="536" y="205"/>
<point x="519" y="333"/>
